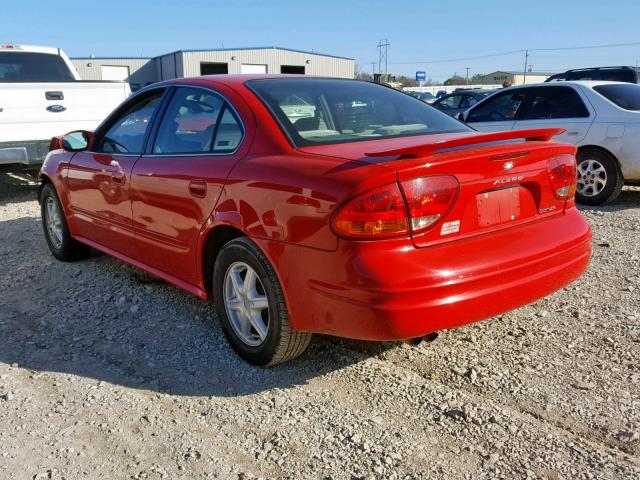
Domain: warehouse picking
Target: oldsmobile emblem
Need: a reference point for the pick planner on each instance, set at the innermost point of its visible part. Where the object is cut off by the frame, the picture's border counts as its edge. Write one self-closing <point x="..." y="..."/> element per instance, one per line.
<point x="507" y="165"/>
<point x="56" y="108"/>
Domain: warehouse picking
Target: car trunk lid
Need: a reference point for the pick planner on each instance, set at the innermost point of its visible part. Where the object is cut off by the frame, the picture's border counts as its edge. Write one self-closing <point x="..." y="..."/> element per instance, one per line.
<point x="501" y="185"/>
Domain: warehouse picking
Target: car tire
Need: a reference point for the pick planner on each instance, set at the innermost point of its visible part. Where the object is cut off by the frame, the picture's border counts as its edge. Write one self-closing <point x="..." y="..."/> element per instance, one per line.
<point x="56" y="231"/>
<point x="600" y="179"/>
<point x="251" y="306"/>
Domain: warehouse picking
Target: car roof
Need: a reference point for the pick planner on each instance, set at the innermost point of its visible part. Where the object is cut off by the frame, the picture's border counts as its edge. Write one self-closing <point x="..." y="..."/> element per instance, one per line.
<point x="14" y="47"/>
<point x="234" y="80"/>
<point x="583" y="83"/>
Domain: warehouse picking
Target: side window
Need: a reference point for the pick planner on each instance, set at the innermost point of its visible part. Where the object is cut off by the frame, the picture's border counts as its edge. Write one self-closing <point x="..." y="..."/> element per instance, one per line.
<point x="126" y="133"/>
<point x="500" y="107"/>
<point x="618" y="76"/>
<point x="468" y="101"/>
<point x="229" y="133"/>
<point x="189" y="123"/>
<point x="556" y="102"/>
<point x="451" y="102"/>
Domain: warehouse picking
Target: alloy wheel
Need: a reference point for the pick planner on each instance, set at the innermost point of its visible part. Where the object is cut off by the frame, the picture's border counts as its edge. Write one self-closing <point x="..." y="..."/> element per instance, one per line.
<point x="246" y="304"/>
<point x="54" y="222"/>
<point x="592" y="178"/>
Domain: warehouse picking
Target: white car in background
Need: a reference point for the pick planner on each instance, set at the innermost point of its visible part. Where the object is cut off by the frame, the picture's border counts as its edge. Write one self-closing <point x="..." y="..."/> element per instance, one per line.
<point x="42" y="96"/>
<point x="601" y="118"/>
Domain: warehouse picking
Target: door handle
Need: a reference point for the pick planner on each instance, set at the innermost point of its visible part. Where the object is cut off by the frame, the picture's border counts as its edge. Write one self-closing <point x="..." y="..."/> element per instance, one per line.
<point x="573" y="133"/>
<point x="198" y="188"/>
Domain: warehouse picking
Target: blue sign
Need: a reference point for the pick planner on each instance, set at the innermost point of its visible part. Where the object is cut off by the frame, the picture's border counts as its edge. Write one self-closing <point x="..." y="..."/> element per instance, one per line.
<point x="421" y="76"/>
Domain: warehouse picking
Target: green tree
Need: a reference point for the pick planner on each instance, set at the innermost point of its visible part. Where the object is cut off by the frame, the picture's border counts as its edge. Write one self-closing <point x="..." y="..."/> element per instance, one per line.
<point x="455" y="80"/>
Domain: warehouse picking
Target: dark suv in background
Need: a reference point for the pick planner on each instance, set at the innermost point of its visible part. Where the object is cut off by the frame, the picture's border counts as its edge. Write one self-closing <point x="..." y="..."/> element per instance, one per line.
<point x="609" y="74"/>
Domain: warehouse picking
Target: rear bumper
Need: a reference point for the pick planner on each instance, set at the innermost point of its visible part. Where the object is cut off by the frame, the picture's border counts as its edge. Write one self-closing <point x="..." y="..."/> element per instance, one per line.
<point x="26" y="153"/>
<point x="391" y="290"/>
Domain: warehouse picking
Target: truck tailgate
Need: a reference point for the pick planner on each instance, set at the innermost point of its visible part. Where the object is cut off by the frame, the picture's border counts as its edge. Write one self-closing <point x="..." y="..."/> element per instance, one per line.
<point x="39" y="111"/>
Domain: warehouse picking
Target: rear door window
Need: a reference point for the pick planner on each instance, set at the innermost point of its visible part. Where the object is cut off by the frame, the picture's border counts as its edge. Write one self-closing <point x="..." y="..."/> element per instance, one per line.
<point x="500" y="107"/>
<point x="197" y="121"/>
<point x="450" y="102"/>
<point x="626" y="96"/>
<point x="555" y="102"/>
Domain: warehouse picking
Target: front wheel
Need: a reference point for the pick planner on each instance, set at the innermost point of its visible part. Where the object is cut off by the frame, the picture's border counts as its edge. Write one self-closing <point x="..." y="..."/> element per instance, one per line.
<point x="600" y="180"/>
<point x="251" y="306"/>
<point x="56" y="231"/>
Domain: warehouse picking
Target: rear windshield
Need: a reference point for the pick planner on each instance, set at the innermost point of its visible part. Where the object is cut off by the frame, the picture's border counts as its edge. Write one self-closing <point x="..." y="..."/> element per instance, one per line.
<point x="323" y="111"/>
<point x="625" y="96"/>
<point x="33" y="67"/>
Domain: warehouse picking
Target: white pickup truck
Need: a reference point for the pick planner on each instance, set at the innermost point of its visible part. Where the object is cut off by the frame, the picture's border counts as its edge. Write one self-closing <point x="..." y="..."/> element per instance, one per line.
<point x="42" y="96"/>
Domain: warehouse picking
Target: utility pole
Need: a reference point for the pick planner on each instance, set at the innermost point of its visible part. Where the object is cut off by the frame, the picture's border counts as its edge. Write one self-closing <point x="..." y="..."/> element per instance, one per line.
<point x="467" y="75"/>
<point x="383" y="55"/>
<point x="373" y="68"/>
<point x="526" y="60"/>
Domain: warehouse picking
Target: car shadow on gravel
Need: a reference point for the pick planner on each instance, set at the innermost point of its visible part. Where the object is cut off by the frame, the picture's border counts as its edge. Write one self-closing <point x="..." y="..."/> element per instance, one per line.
<point x="629" y="198"/>
<point x="102" y="319"/>
<point x="18" y="186"/>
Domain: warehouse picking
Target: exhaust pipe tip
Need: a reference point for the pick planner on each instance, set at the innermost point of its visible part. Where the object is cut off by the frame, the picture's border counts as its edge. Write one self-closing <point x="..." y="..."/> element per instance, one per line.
<point x="429" y="337"/>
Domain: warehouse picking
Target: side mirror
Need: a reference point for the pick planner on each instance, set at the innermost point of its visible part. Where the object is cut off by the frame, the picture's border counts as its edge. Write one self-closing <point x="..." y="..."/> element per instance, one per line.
<point x="77" y="141"/>
<point x="460" y="116"/>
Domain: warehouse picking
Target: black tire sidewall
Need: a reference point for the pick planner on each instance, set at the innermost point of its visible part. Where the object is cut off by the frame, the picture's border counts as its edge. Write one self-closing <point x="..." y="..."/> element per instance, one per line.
<point x="244" y="251"/>
<point x="62" y="252"/>
<point x="613" y="176"/>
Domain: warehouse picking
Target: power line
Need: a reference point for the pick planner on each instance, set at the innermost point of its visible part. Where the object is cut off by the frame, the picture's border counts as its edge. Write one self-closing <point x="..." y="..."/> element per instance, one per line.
<point x="383" y="55"/>
<point x="513" y="52"/>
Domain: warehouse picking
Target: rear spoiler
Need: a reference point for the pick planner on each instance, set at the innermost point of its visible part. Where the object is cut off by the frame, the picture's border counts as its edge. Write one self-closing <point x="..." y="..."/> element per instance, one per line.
<point x="426" y="149"/>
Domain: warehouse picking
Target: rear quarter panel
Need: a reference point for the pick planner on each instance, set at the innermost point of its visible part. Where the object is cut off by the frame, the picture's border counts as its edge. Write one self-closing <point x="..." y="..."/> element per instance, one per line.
<point x="291" y="197"/>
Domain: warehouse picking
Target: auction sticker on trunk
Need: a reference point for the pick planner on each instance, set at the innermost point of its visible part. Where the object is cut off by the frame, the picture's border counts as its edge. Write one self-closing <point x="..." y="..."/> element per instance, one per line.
<point x="450" y="227"/>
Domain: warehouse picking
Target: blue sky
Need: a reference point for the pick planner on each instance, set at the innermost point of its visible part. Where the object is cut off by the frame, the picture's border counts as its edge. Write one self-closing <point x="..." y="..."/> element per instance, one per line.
<point x="419" y="32"/>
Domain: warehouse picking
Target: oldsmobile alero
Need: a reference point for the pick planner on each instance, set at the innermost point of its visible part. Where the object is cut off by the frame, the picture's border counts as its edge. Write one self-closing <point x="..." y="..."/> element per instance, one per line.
<point x="304" y="205"/>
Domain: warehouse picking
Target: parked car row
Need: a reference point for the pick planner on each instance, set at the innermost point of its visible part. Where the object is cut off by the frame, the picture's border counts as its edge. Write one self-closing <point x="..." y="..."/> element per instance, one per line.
<point x="460" y="100"/>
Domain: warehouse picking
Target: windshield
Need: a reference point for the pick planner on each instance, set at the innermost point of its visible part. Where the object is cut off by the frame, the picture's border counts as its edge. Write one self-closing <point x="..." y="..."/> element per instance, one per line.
<point x="33" y="67"/>
<point x="322" y="111"/>
<point x="625" y="95"/>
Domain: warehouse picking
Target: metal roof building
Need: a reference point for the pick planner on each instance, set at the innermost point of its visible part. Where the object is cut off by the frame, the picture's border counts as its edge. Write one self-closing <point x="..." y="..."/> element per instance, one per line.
<point x="515" y="78"/>
<point x="189" y="63"/>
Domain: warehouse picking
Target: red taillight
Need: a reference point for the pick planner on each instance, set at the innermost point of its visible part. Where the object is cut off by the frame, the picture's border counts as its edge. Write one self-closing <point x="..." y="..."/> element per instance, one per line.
<point x="562" y="176"/>
<point x="385" y="212"/>
<point x="429" y="199"/>
<point x="378" y="213"/>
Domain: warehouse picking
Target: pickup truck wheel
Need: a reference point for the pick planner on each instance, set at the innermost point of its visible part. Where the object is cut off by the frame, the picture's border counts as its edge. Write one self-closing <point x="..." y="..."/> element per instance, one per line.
<point x="56" y="231"/>
<point x="251" y="306"/>
<point x="600" y="180"/>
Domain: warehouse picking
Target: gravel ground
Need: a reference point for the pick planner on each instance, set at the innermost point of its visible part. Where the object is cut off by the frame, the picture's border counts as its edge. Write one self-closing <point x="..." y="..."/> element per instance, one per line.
<point x="106" y="372"/>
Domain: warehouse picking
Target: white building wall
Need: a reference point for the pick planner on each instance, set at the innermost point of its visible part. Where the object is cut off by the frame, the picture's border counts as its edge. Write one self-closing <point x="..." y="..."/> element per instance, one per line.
<point x="142" y="71"/>
<point x="315" y="64"/>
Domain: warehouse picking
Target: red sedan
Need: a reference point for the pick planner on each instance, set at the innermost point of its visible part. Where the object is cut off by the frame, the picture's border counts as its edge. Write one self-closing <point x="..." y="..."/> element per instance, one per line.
<point x="304" y="205"/>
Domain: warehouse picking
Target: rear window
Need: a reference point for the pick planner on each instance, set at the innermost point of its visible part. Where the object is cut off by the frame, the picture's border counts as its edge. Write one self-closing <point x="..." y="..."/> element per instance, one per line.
<point x="33" y="67"/>
<point x="625" y="96"/>
<point x="323" y="111"/>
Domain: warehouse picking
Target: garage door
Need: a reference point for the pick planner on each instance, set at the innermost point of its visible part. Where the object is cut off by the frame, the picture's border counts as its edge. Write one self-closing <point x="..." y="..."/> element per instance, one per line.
<point x="112" y="72"/>
<point x="252" y="68"/>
